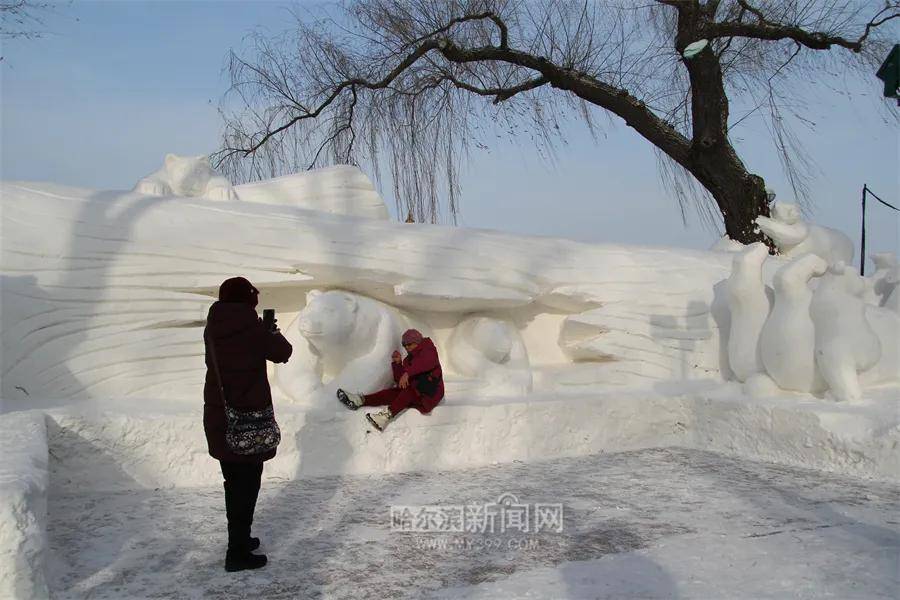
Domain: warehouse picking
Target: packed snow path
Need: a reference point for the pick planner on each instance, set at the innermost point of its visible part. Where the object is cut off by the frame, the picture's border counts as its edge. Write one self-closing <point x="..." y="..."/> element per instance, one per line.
<point x="654" y="523"/>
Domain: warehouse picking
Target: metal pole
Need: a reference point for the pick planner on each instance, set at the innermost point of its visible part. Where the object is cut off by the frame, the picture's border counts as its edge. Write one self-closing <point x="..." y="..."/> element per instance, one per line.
<point x="862" y="237"/>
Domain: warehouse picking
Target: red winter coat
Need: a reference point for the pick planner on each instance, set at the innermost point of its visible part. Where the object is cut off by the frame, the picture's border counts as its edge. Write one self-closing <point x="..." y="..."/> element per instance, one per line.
<point x="421" y="363"/>
<point x="242" y="347"/>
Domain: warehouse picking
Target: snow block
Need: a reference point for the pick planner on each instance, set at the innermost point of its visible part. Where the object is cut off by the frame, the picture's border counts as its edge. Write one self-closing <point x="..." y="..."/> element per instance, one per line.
<point x="144" y="446"/>
<point x="801" y="431"/>
<point x="339" y="190"/>
<point x="23" y="505"/>
<point x="140" y="445"/>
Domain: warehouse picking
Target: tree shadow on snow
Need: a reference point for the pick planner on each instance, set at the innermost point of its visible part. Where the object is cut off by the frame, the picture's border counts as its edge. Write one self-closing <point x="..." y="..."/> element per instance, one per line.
<point x="50" y="323"/>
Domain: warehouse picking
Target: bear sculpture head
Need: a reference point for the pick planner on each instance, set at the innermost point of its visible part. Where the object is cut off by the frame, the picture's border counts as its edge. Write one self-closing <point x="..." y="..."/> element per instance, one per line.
<point x="329" y="319"/>
<point x="188" y="174"/>
<point x="786" y="212"/>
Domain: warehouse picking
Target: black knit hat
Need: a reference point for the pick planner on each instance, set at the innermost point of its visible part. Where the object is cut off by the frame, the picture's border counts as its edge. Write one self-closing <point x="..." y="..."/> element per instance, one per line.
<point x="238" y="289"/>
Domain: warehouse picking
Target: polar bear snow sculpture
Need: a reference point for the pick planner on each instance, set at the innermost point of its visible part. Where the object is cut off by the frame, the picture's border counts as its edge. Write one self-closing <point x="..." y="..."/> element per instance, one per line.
<point x="301" y="378"/>
<point x="795" y="238"/>
<point x="352" y="337"/>
<point x="881" y="283"/>
<point x="187" y="176"/>
<point x="787" y="340"/>
<point x="828" y="339"/>
<point x="845" y="342"/>
<point x="749" y="301"/>
<point x="493" y="352"/>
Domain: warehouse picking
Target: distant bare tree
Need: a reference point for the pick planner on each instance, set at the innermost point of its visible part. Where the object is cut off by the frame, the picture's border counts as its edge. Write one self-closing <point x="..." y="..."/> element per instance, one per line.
<point x="21" y="18"/>
<point x="421" y="81"/>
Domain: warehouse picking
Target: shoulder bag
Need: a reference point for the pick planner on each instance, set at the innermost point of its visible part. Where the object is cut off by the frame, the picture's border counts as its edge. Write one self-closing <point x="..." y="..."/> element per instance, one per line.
<point x="247" y="432"/>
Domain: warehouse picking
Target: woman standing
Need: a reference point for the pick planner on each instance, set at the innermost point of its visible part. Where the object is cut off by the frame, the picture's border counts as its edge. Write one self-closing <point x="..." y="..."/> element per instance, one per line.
<point x="242" y="345"/>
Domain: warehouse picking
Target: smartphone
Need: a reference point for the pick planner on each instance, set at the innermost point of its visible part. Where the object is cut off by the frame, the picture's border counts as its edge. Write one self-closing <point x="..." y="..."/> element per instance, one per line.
<point x="269" y="319"/>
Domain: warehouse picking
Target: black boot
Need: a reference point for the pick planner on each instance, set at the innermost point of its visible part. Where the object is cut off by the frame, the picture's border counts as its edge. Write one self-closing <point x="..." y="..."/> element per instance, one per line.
<point x="240" y="559"/>
<point x="252" y="495"/>
<point x="241" y="490"/>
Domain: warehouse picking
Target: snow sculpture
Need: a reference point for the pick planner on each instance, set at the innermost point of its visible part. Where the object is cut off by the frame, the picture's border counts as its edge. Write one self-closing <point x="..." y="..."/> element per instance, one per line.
<point x="726" y="244"/>
<point x="787" y="340"/>
<point x="749" y="301"/>
<point x="300" y="379"/>
<point x="885" y="322"/>
<point x="760" y="385"/>
<point x="353" y="338"/>
<point x="339" y="190"/>
<point x="795" y="238"/>
<point x="186" y="176"/>
<point x="631" y="315"/>
<point x="892" y="302"/>
<point x="622" y="315"/>
<point x="644" y="340"/>
<point x="828" y="339"/>
<point x="493" y="352"/>
<point x="845" y="343"/>
<point x="881" y="283"/>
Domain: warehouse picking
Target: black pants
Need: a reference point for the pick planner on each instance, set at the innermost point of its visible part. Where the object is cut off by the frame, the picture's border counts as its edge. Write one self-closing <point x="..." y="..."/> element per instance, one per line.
<point x="242" y="482"/>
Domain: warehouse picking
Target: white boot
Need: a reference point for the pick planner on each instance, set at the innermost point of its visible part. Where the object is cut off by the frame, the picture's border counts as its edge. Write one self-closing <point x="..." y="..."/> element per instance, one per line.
<point x="350" y="400"/>
<point x="380" y="419"/>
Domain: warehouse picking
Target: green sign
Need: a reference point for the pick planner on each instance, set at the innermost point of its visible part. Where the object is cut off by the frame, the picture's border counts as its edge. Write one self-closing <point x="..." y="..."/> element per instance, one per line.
<point x="889" y="73"/>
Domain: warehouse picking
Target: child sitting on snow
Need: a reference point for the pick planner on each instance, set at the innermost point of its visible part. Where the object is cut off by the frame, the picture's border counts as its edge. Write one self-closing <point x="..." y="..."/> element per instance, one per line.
<point x="419" y="380"/>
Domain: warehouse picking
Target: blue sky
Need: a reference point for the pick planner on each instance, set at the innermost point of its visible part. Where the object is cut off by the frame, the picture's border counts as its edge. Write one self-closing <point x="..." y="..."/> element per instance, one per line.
<point x="116" y="85"/>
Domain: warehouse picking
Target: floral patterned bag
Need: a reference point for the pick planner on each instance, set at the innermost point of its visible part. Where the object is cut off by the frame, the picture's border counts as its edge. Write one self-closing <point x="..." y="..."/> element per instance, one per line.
<point x="252" y="431"/>
<point x="247" y="432"/>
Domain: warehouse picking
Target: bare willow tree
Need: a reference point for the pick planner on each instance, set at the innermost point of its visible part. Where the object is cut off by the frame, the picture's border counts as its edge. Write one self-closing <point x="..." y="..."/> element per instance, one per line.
<point x="420" y="82"/>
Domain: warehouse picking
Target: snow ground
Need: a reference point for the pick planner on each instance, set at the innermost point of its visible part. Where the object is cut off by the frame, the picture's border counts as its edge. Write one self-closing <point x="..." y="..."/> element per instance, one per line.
<point x="659" y="523"/>
<point x="24" y="479"/>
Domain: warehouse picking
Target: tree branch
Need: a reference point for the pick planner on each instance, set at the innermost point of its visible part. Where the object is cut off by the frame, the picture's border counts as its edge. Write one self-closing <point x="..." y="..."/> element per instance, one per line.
<point x="617" y="101"/>
<point x="407" y="62"/>
<point x="769" y="82"/>
<point x="875" y="22"/>
<point x="347" y="126"/>
<point x="427" y="43"/>
<point x="504" y="31"/>
<point x="764" y="29"/>
<point x="753" y="11"/>
<point x="502" y="93"/>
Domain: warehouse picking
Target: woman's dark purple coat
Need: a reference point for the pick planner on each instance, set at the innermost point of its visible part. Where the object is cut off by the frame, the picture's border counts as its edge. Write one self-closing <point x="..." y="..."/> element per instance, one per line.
<point x="242" y="347"/>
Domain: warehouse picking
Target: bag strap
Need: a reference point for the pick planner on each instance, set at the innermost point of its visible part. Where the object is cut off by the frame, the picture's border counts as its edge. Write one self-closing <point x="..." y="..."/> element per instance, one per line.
<point x="429" y="374"/>
<point x="212" y="353"/>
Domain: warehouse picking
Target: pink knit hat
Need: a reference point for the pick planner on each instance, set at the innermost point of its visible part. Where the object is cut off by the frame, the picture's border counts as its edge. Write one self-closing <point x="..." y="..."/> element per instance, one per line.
<point x="412" y="336"/>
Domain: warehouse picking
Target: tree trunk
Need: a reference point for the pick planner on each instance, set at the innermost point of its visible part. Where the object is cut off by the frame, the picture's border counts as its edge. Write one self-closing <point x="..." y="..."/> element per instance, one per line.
<point x="741" y="195"/>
